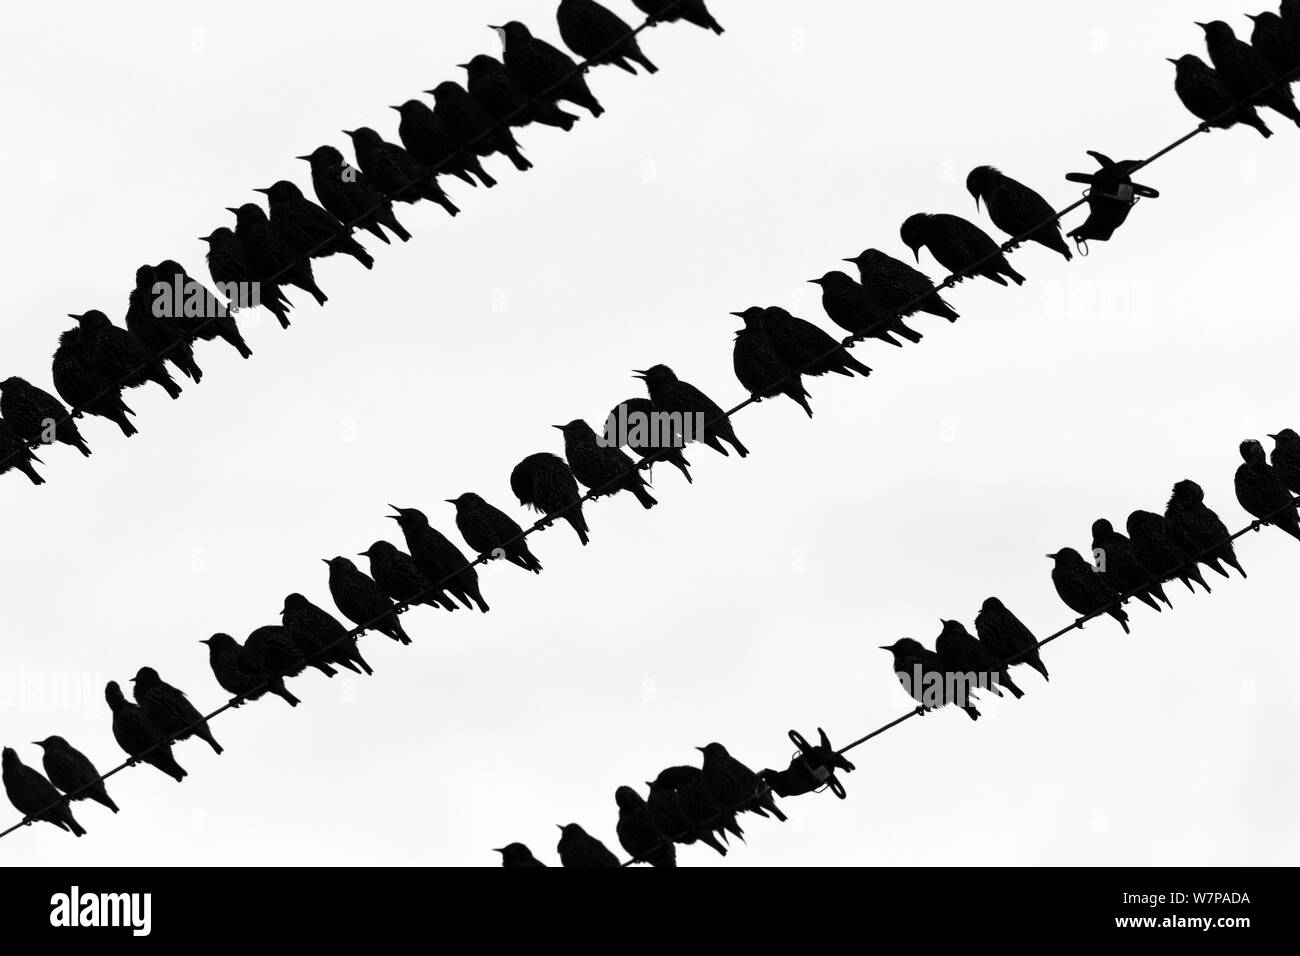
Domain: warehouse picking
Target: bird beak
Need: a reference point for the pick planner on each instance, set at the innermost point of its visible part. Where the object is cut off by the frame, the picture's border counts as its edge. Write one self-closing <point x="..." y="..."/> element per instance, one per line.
<point x="348" y="132"/>
<point x="1274" y="437"/>
<point x="559" y="826"/>
<point x="73" y="315"/>
<point x="326" y="560"/>
<point x="363" y="554"/>
<point x="450" y="501"/>
<point x="1203" y="26"/>
<point x="491" y="27"/>
<point x="886" y="647"/>
<point x="307" y="158"/>
<point x="700" y="749"/>
<point x="977" y="203"/>
<point x="499" y="849"/>
<point x="560" y="427"/>
<point x="1252" y="17"/>
<point x="232" y="209"/>
<point x="739" y="315"/>
<point x="854" y="261"/>
<point x="1050" y="557"/>
<point x="427" y="92"/>
<point x="398" y="108"/>
<point x="917" y="253"/>
<point x="264" y="192"/>
<point x="463" y="66"/>
<point x="1171" y="60"/>
<point x="39" y="743"/>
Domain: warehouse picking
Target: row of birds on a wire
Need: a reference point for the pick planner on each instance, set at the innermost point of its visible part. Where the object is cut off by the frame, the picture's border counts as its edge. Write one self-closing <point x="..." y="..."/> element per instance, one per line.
<point x="268" y="250"/>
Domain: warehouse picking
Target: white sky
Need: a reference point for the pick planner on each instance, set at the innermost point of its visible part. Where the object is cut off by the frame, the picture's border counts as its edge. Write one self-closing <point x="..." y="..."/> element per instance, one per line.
<point x="747" y="604"/>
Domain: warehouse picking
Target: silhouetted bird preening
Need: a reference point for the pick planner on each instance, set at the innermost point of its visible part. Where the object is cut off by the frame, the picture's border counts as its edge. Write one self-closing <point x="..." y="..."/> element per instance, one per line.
<point x="762" y="372"/>
<point x="85" y="389"/>
<point x="72" y="772"/>
<point x="489" y="83"/>
<point x="326" y="631"/>
<point x="362" y="601"/>
<point x="1150" y="534"/>
<point x="666" y="11"/>
<point x="963" y="656"/>
<point x="640" y="426"/>
<point x="158" y="334"/>
<point x="194" y="307"/>
<point x="958" y="244"/>
<point x="1285" y="457"/>
<point x="15" y="453"/>
<point x="395" y="572"/>
<point x="735" y="786"/>
<point x="1082" y="589"/>
<point x="1262" y="493"/>
<point x="395" y="172"/>
<point x="856" y="309"/>
<point x="1006" y="637"/>
<point x="306" y="228"/>
<point x="1203" y="93"/>
<point x="34" y="415"/>
<point x="899" y="288"/>
<point x="137" y="735"/>
<point x="233" y="271"/>
<point x="470" y="127"/>
<point x="1277" y="43"/>
<point x="241" y="673"/>
<point x="577" y="847"/>
<point x="347" y="194"/>
<point x="699" y="412"/>
<point x="1119" y="567"/>
<point x="603" y="469"/>
<point x="598" y="34"/>
<point x="519" y="856"/>
<point x="426" y="140"/>
<point x="1016" y="209"/>
<point x="1194" y="528"/>
<point x="269" y="254"/>
<point x="637" y="834"/>
<point x="438" y="558"/>
<point x="922" y="675"/>
<point x="169" y="709"/>
<point x="801" y="344"/>
<point x="1244" y="71"/>
<point x="119" y="356"/>
<point x="33" y="796"/>
<point x="544" y="483"/>
<point x="491" y="532"/>
<point x="538" y="69"/>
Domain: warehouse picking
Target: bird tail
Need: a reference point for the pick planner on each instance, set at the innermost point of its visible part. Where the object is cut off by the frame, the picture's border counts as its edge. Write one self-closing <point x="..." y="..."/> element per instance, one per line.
<point x="482" y="604"/>
<point x="163" y="378"/>
<point x="521" y="162"/>
<point x="76" y="828"/>
<point x="358" y="252"/>
<point x="741" y="450"/>
<point x="375" y="230"/>
<point x="589" y="102"/>
<point x="212" y="741"/>
<point x="82" y="446"/>
<point x="442" y="200"/>
<point x="580" y="526"/>
<point x="1119" y="614"/>
<point x="1005" y="680"/>
<point x="905" y="332"/>
<point x="285" y="694"/>
<point x="801" y="396"/>
<point x="1012" y="274"/>
<point x="971" y="712"/>
<point x="1038" y="665"/>
<point x="1257" y="122"/>
<point x="1236" y="564"/>
<point x="644" y="61"/>
<point x="361" y="662"/>
<point x="107" y="801"/>
<point x="684" y="466"/>
<point x="30" y="472"/>
<point x="643" y="495"/>
<point x="854" y="365"/>
<point x="478" y="170"/>
<point x="398" y="634"/>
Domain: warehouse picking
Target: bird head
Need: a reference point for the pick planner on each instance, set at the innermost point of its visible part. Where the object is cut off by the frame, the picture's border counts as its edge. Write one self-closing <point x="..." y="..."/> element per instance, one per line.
<point x="1285" y="435"/>
<point x="294" y="602"/>
<point x="1252" y="452"/>
<point x="1188" y="490"/>
<point x="94" y="319"/>
<point x="146" y="677"/>
<point x="323" y="156"/>
<point x="655" y="374"/>
<point x="113" y="694"/>
<point x="281" y="191"/>
<point x="977" y="181"/>
<point x="913" y="232"/>
<point x="1101" y="528"/>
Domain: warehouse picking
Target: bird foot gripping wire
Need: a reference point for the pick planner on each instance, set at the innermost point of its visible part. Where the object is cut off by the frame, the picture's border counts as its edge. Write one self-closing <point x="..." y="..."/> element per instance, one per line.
<point x="1111" y="195"/>
<point x="812" y="769"/>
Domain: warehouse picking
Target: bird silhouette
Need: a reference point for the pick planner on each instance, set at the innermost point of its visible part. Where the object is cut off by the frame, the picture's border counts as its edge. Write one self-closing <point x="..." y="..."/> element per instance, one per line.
<point x="243" y="674"/>
<point x="157" y="333"/>
<point x="33" y="796"/>
<point x="702" y="419"/>
<point x="395" y="571"/>
<point x="962" y="655"/>
<point x="348" y="195"/>
<point x="470" y="127"/>
<point x="637" y="834"/>
<point x="669" y="817"/>
<point x="35" y="415"/>
<point x="119" y="356"/>
<point x="1119" y="567"/>
<point x="1277" y="43"/>
<point x="603" y="469"/>
<point x="1262" y="493"/>
<point x="598" y="34"/>
<point x="395" y="172"/>
<point x="1006" y="637"/>
<point x="169" y="709"/>
<point x="735" y="786"/>
<point x="540" y="70"/>
<point x="640" y="426"/>
<point x="362" y="601"/>
<point x="72" y="772"/>
<point x="1155" y="548"/>
<point x="705" y="817"/>
<point x="328" y="634"/>
<point x="959" y="246"/>
<point x="856" y="309"/>
<point x="84" y="388"/>
<point x="579" y="848"/>
<point x="670" y="11"/>
<point x="1203" y="93"/>
<point x="285" y="651"/>
<point x="921" y="672"/>
<point x="191" y="304"/>
<point x="137" y="735"/>
<point x="1082" y="589"/>
<point x="438" y="559"/>
<point x="1244" y="71"/>
<point x="268" y="252"/>
<point x="1285" y="458"/>
<point x="14" y="453"/>
<point x="492" y="533"/>
<point x="898" y="288"/>
<point x="518" y="855"/>
<point x="762" y="372"/>
<point x="240" y="280"/>
<point x="489" y="83"/>
<point x="1194" y="528"/>
<point x="1290" y="12"/>
<point x="544" y="483"/>
<point x="425" y="139"/>
<point x="1016" y="209"/>
<point x="801" y="344"/>
<point x="307" y="229"/>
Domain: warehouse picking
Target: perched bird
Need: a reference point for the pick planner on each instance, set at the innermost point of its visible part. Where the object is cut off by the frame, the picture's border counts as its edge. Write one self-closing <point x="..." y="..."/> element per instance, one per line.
<point x="35" y="415"/>
<point x="195" y="308"/>
<point x="1082" y="588"/>
<point x="1203" y="93"/>
<point x="1016" y="209"/>
<point x="640" y="426"/>
<point x="438" y="558"/>
<point x="800" y="344"/>
<point x="72" y="772"/>
<point x="670" y="11"/>
<point x="735" y="786"/>
<point x="470" y="128"/>
<point x="396" y="172"/>
<point x="1290" y="11"/>
<point x="856" y="309"/>
<point x="306" y="228"/>
<point x="579" y="848"/>
<point x="518" y="855"/>
<point x="1194" y="528"/>
<point x="169" y="709"/>
<point x="1154" y="547"/>
<point x="348" y="195"/>
<point x="269" y="254"/>
<point x="490" y="531"/>
<point x="362" y="601"/>
<point x="137" y="735"/>
<point x="1285" y="457"/>
<point x="1119" y="567"/>
<point x="243" y="674"/>
<point x="598" y="34"/>
<point x="544" y="483"/>
<point x="119" y="356"/>
<point x="603" y="469"/>
<point x="425" y="139"/>
<point x="1006" y="637"/>
<point x="158" y="334"/>
<point x="86" y="390"/>
<point x="636" y="831"/>
<point x="329" y="636"/>
<point x="702" y="419"/>
<point x="705" y="815"/>
<point x="762" y="372"/>
<point x="961" y="654"/>
<point x="395" y="571"/>
<point x="1262" y="493"/>
<point x="284" y="651"/>
<point x="15" y="453"/>
<point x="921" y="673"/>
<point x="1244" y="71"/>
<point x="959" y="246"/>
<point x="898" y="287"/>
<point x="239" y="280"/>
<point x="1277" y="43"/>
<point x="33" y="796"/>
<point x="538" y="69"/>
<point x="489" y="83"/>
<point x="669" y="817"/>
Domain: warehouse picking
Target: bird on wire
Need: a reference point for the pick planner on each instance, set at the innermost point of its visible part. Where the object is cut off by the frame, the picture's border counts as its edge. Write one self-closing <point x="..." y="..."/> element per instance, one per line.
<point x="33" y="796"/>
<point x="1285" y="458"/>
<point x="799" y="343"/>
<point x="193" y="306"/>
<point x="157" y="333"/>
<point x="637" y="833"/>
<point x="598" y="34"/>
<point x="1277" y="43"/>
<point x="1082" y="589"/>
<point x="15" y="453"/>
<point x="362" y="601"/>
<point x="640" y="426"/>
<point x="957" y="244"/>
<point x="1262" y="493"/>
<point x="921" y="673"/>
<point x="488" y="81"/>
<point x="239" y="672"/>
<point x="961" y="653"/>
<point x="602" y="468"/>
<point x="117" y="355"/>
<point x="1157" y="550"/>
<point x="702" y="418"/>
<point x="233" y="272"/>
<point x="1194" y="527"/>
<point x="577" y="847"/>
<point x="538" y="69"/>
<point x="35" y="415"/>
<point x="1016" y="209"/>
<point x="306" y="227"/>
<point x="85" y="389"/>
<point x="137" y="735"/>
<point x="1244" y="71"/>
<point x="671" y="11"/>
<point x="516" y="855"/>
<point x="72" y="772"/>
<point x="491" y="532"/>
<point x="425" y="139"/>
<point x="395" y="572"/>
<point x="1199" y="89"/>
<point x="169" y="709"/>
<point x="855" y="309"/>
<point x="898" y="287"/>
<point x="544" y="483"/>
<point x="761" y="372"/>
<point x="303" y="617"/>
<point x="395" y="172"/>
<point x="269" y="254"/>
<point x="732" y="784"/>
<point x="1119" y="567"/>
<point x="438" y="558"/>
<point x="346" y="193"/>
<point x="1006" y="637"/>
<point x="469" y="126"/>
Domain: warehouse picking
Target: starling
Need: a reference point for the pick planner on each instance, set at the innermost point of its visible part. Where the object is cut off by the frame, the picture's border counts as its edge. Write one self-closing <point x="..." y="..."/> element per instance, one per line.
<point x="762" y="372"/>
<point x="639" y="425"/>
<point x="492" y="533"/>
<point x="670" y="11"/>
<point x="1203" y="93"/>
<point x="1016" y="209"/>
<point x="438" y="559"/>
<point x="1276" y="43"/>
<point x="169" y="709"/>
<point x="85" y="389"/>
<point x="961" y="653"/>
<point x="637" y="834"/>
<point x="158" y="333"/>
<point x="540" y="71"/>
<point x="1119" y="567"/>
<point x="701" y="418"/>
<point x="470" y="127"/>
<point x="518" y="855"/>
<point x="306" y="228"/>
<point x="286" y="651"/>
<point x="426" y="139"/>
<point x="699" y="816"/>
<point x="1155" y="548"/>
<point x="489" y="83"/>
<point x="735" y="786"/>
<point x="35" y="797"/>
<point x="327" y="636"/>
<point x="136" y="735"/>
<point x="603" y="469"/>
<point x="857" y="310"/>
<point x="1244" y="71"/>
<point x="544" y="483"/>
<point x="268" y="252"/>
<point x="958" y="245"/>
<point x="119" y="356"/>
<point x="1006" y="637"/>
<point x="396" y="172"/>
<point x="15" y="453"/>
<point x="34" y="415"/>
<point x="362" y="601"/>
<point x="669" y="818"/>
<point x="73" y="773"/>
<point x="800" y="344"/>
<point x="395" y="572"/>
<point x="233" y="272"/>
<point x="600" y="36"/>
<point x="1262" y="493"/>
<point x="195" y="308"/>
<point x="921" y="673"/>
<point x="1195" y="528"/>
<point x="242" y="672"/>
<point x="898" y="287"/>
<point x="1082" y="588"/>
<point x="347" y="194"/>
<point x="1285" y="458"/>
<point x="579" y="848"/>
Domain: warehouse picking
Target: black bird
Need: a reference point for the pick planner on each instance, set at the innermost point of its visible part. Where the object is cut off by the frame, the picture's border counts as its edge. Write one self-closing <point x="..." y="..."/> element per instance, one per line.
<point x="1194" y="527"/>
<point x="37" y="416"/>
<point x="362" y="601"/>
<point x="1082" y="588"/>
<point x="579" y="848"/>
<point x="438" y="558"/>
<point x="396" y="172"/>
<point x="598" y="34"/>
<point x="518" y="855"/>
<point x="898" y="287"/>
<point x="33" y="796"/>
<point x="961" y="653"/>
<point x="268" y="252"/>
<point x="1285" y="457"/>
<point x="704" y="816"/>
<point x="306" y="228"/>
<point x="762" y="372"/>
<point x="490" y="531"/>
<point x="327" y="632"/>
<point x="1262" y="493"/>
<point x="394" y="570"/>
<point x="1245" y="72"/>
<point x="544" y="483"/>
<point x="119" y="356"/>
<point x="70" y="770"/>
<point x="799" y="343"/>
<point x="489" y="83"/>
<point x="158" y="333"/>
<point x="195" y="308"/>
<point x="1203" y="93"/>
<point x="670" y="819"/>
<point x="1276" y="43"/>
<point x="242" y="673"/>
<point x="237" y="278"/>
<point x="169" y="709"/>
<point x="670" y="11"/>
<point x="425" y="139"/>
<point x="470" y="127"/>
<point x="856" y="309"/>
<point x="921" y="673"/>
<point x="1006" y="637"/>
<point x="1119" y="567"/>
<point x="86" y="390"/>
<point x="639" y="425"/>
<point x="15" y="453"/>
<point x="735" y="786"/>
<point x="347" y="194"/>
<point x="538" y="69"/>
<point x="637" y="834"/>
<point x="958" y="245"/>
<point x="603" y="469"/>
<point x="1155" y="548"/>
<point x="702" y="419"/>
<point x="1016" y="209"/>
<point x="137" y="735"/>
<point x="285" y="651"/>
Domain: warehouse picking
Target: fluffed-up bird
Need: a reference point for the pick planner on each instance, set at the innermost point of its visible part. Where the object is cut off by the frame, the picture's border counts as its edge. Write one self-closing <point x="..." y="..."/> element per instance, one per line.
<point x="72" y="772"/>
<point x="1150" y="534"/>
<point x="644" y="429"/>
<point x="1199" y="88"/>
<point x="1016" y="209"/>
<point x="801" y="344"/>
<point x="470" y="127"/>
<point x="1119" y="567"/>
<point x="1006" y="637"/>
<point x="239" y="280"/>
<point x="762" y="372"/>
<point x="637" y="833"/>
<point x="963" y="656"/>
<point x="347" y="194"/>
<point x="362" y="601"/>
<point x="191" y="304"/>
<point x="702" y="418"/>
<point x="119" y="356"/>
<point x="327" y="631"/>
<point x="734" y="786"/>
<point x="86" y="390"/>
<point x="395" y="172"/>
<point x="491" y="532"/>
<point x="670" y="819"/>
<point x="855" y="309"/>
<point x="1262" y="493"/>
<point x="395" y="571"/>
<point x="308" y="229"/>
<point x="960" y="246"/>
<point x="489" y="83"/>
<point x="898" y="287"/>
<point x="1082" y="589"/>
<point x="169" y="709"/>
<point x="670" y="11"/>
<point x="1194" y="528"/>
<point x="158" y="334"/>
<point x="137" y="735"/>
<point x="15" y="453"/>
<point x="425" y="139"/>
<point x="598" y="34"/>
<point x="540" y="70"/>
<point x="438" y="558"/>
<point x="921" y="673"/>
<point x="577" y="847"/>
<point x="706" y="817"/>
<point x="37" y="416"/>
<point x="33" y="796"/>
<point x="1244" y="71"/>
<point x="544" y="483"/>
